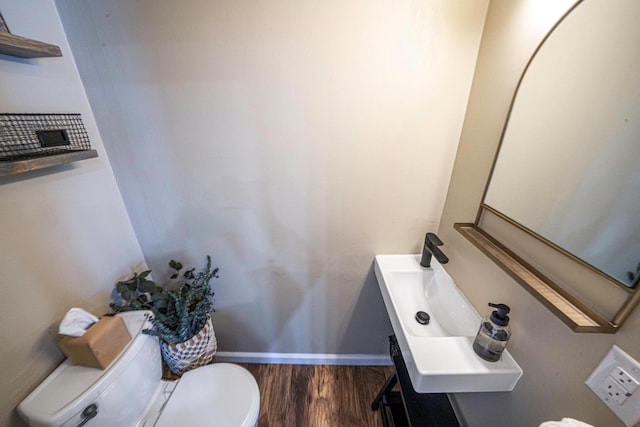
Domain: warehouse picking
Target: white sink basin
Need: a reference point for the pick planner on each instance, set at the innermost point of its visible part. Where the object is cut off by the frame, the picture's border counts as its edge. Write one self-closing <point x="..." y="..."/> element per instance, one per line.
<point x="439" y="356"/>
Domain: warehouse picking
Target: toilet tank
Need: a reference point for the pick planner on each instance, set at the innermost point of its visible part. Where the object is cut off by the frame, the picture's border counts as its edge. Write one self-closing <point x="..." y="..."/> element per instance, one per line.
<point x="122" y="391"/>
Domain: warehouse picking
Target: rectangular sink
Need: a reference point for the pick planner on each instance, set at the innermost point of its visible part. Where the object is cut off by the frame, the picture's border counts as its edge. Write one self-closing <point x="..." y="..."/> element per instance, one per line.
<point x="439" y="356"/>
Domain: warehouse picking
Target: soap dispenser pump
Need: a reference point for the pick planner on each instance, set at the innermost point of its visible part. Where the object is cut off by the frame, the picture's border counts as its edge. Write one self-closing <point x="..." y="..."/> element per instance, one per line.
<point x="493" y="334"/>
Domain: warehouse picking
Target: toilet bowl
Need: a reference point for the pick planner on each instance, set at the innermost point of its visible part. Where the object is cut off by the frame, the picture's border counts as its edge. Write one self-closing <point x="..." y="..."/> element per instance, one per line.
<point x="130" y="391"/>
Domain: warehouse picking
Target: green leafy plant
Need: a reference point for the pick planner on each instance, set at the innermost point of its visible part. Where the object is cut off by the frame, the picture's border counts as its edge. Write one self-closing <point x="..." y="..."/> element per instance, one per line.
<point x="139" y="293"/>
<point x="188" y="306"/>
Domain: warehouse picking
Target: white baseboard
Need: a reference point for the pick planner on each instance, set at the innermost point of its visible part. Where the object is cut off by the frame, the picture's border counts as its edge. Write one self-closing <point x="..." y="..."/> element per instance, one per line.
<point x="305" y="358"/>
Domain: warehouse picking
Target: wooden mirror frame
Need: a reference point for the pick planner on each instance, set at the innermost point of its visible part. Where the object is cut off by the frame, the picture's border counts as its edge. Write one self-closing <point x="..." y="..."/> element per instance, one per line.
<point x="575" y="308"/>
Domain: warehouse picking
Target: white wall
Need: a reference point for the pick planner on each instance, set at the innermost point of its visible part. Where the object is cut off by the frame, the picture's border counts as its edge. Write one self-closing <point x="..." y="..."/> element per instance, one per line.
<point x="291" y="140"/>
<point x="65" y="234"/>
<point x="555" y="360"/>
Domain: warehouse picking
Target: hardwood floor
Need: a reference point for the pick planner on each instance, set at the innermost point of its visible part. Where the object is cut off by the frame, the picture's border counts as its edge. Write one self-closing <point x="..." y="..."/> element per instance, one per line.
<point x="318" y="395"/>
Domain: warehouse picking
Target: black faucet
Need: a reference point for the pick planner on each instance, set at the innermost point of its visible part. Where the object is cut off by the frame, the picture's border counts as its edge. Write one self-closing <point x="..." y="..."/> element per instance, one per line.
<point x="431" y="243"/>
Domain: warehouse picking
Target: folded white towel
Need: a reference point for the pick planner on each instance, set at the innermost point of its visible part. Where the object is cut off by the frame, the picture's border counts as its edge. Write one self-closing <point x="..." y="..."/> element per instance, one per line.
<point x="565" y="422"/>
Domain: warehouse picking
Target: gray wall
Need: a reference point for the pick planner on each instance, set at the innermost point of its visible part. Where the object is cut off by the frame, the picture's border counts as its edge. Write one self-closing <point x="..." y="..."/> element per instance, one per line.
<point x="556" y="361"/>
<point x="66" y="237"/>
<point x="291" y="140"/>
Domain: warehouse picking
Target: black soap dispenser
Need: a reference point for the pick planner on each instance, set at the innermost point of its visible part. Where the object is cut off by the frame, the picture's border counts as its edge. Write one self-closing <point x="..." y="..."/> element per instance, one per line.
<point x="493" y="334"/>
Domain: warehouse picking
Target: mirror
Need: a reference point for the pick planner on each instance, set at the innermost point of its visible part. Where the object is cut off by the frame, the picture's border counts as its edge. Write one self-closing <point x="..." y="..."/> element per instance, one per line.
<point x="567" y="168"/>
<point x="566" y="172"/>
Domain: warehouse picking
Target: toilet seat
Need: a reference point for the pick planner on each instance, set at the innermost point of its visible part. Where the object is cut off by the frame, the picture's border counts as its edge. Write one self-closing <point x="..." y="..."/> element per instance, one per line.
<point x="221" y="395"/>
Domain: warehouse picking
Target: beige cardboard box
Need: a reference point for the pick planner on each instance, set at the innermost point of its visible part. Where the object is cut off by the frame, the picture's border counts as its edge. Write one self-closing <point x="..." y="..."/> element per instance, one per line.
<point x="99" y="345"/>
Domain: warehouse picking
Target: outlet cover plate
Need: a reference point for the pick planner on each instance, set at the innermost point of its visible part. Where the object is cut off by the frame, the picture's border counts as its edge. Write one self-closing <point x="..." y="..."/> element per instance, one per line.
<point x="616" y="358"/>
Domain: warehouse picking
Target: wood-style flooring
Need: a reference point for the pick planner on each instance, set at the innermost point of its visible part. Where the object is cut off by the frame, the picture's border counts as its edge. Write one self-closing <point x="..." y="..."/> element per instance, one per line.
<point x="318" y="395"/>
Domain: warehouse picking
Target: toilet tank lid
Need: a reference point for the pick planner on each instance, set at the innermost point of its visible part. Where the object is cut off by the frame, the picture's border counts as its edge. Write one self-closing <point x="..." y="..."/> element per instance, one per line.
<point x="70" y="386"/>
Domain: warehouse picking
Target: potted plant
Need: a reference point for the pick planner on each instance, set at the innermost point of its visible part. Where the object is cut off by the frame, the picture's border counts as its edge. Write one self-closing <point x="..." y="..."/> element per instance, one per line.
<point x="181" y="313"/>
<point x="139" y="293"/>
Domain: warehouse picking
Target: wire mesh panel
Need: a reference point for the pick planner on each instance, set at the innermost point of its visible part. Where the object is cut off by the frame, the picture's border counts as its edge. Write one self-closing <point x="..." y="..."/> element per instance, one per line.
<point x="31" y="135"/>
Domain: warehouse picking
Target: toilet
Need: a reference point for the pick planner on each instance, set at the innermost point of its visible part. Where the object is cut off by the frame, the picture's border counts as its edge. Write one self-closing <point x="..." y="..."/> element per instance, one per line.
<point x="131" y="392"/>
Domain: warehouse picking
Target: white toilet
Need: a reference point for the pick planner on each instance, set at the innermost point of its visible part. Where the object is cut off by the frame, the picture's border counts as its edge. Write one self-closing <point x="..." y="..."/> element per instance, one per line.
<point x="130" y="392"/>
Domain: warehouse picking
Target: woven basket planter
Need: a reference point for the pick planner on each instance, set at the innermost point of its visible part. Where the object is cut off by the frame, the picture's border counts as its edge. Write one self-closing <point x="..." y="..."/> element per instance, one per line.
<point x="191" y="354"/>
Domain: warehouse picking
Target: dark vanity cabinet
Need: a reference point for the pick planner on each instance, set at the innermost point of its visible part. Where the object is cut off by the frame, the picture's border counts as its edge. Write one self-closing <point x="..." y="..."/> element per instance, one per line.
<point x="403" y="406"/>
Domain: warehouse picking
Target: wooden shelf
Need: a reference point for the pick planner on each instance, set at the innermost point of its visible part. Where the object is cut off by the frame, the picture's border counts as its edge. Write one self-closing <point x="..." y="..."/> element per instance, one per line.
<point x="22" y="47"/>
<point x="574" y="313"/>
<point x="21" y="166"/>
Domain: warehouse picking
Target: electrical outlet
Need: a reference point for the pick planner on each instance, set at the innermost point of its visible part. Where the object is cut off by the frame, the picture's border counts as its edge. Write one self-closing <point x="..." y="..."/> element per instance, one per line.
<point x="614" y="391"/>
<point x="615" y="381"/>
<point x="627" y="382"/>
